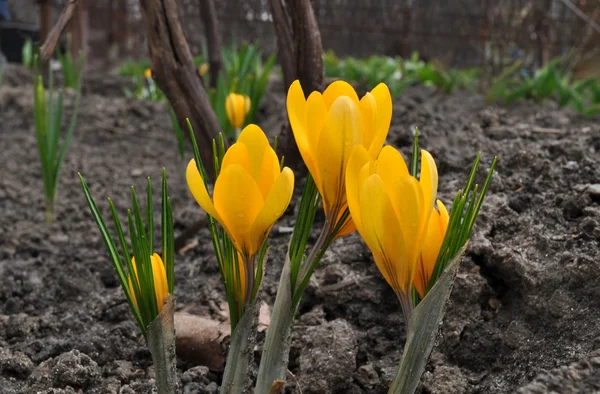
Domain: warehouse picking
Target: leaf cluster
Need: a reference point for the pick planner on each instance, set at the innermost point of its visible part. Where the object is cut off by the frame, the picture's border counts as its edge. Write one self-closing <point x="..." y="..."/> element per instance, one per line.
<point x="48" y="115"/>
<point x="548" y="83"/>
<point x="244" y="72"/>
<point x="398" y="73"/>
<point x="141" y="239"/>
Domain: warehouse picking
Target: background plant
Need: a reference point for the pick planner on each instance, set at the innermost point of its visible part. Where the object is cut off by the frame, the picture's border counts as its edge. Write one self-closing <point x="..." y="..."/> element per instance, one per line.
<point x="48" y="114"/>
<point x="548" y="83"/>
<point x="28" y="53"/>
<point x="244" y="72"/>
<point x="142" y="272"/>
<point x="71" y="67"/>
<point x="398" y="73"/>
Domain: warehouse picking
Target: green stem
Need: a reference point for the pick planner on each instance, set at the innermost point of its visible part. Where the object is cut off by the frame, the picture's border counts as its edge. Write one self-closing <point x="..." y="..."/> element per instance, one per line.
<point x="237" y="374"/>
<point x="161" y="342"/>
<point x="50" y="210"/>
<point x="275" y="355"/>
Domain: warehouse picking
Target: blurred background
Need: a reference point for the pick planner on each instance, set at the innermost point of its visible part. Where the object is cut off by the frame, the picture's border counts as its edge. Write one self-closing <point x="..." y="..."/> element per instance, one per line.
<point x="456" y="33"/>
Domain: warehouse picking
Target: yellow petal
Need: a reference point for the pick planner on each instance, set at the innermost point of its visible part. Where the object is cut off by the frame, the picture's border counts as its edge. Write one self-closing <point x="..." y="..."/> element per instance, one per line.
<point x="383" y="98"/>
<point x="276" y="203"/>
<point x="444" y="216"/>
<point x="383" y="234"/>
<point x="296" y="109"/>
<point x="237" y="154"/>
<point x="161" y="287"/>
<point x="269" y="172"/>
<point x="434" y="237"/>
<point x="358" y="159"/>
<point x="348" y="226"/>
<point x="238" y="201"/>
<point x="316" y="114"/>
<point x="429" y="183"/>
<point x="391" y="166"/>
<point x="196" y="185"/>
<point x="247" y="104"/>
<point x="230" y="109"/>
<point x="341" y="132"/>
<point x="368" y="110"/>
<point x="406" y="197"/>
<point x="131" y="290"/>
<point x="338" y="89"/>
<point x="256" y="143"/>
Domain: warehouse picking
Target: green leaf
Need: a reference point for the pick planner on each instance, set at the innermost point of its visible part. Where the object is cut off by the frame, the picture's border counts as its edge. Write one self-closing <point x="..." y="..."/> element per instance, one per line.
<point x="423" y="326"/>
<point x="113" y="253"/>
<point x="161" y="343"/>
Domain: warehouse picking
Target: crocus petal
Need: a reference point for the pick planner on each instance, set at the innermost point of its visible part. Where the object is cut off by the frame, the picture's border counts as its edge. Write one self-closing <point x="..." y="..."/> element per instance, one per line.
<point x="368" y="110"/>
<point x="256" y="143"/>
<point x="198" y="189"/>
<point x="296" y="109"/>
<point x="337" y="89"/>
<point x="238" y="200"/>
<point x="444" y="216"/>
<point x="277" y="201"/>
<point x="341" y="132"/>
<point x="429" y="183"/>
<point x="348" y="226"/>
<point x="383" y="98"/>
<point x="391" y="166"/>
<point x="237" y="154"/>
<point x="382" y="233"/>
<point x="161" y="288"/>
<point x="316" y="114"/>
<point x="406" y="197"/>
<point x="269" y="171"/>
<point x="358" y="159"/>
<point x="247" y="104"/>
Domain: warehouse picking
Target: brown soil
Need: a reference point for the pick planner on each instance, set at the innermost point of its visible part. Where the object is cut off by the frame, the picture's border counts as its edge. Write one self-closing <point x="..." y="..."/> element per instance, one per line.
<point x="524" y="312"/>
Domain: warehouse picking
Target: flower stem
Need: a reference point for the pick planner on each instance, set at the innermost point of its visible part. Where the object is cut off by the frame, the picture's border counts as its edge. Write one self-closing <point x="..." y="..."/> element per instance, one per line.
<point x="50" y="210"/>
<point x="275" y="355"/>
<point x="237" y="374"/>
<point x="161" y="341"/>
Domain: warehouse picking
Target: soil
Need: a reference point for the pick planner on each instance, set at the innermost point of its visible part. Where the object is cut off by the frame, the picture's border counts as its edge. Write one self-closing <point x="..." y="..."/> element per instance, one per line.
<point x="523" y="315"/>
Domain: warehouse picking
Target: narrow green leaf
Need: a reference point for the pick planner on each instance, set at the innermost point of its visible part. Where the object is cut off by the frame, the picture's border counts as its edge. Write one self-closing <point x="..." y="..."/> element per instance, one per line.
<point x="150" y="217"/>
<point x="115" y="258"/>
<point x="415" y="156"/>
<point x="422" y="331"/>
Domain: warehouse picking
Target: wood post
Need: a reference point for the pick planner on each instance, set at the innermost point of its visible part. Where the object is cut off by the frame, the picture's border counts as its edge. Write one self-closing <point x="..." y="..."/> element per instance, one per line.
<point x="176" y="75"/>
<point x="45" y="25"/>
<point x="300" y="57"/>
<point x="78" y="29"/>
<point x="213" y="39"/>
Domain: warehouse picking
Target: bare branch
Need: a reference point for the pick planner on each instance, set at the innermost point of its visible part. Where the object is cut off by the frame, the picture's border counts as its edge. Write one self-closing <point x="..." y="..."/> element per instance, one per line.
<point x="54" y="36"/>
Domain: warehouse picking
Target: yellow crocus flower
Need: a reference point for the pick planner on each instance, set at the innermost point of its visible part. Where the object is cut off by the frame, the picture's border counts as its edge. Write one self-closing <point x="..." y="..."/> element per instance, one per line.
<point x="237" y="107"/>
<point x="328" y="126"/>
<point x="203" y="69"/>
<point x="148" y="73"/>
<point x="161" y="288"/>
<point x="250" y="193"/>
<point x="391" y="210"/>
<point x="436" y="230"/>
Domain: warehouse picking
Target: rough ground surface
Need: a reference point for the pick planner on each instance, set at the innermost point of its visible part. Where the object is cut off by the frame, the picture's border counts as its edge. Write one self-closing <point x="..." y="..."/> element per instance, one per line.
<point x="524" y="312"/>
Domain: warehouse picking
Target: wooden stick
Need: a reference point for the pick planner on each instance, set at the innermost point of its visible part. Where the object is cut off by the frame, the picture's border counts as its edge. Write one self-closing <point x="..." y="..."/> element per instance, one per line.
<point x="582" y="15"/>
<point x="53" y="37"/>
<point x="213" y="39"/>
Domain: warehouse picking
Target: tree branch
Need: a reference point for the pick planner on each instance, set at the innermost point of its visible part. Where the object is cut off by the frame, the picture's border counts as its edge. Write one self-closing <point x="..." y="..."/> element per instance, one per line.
<point x="54" y="36"/>
<point x="176" y="75"/>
